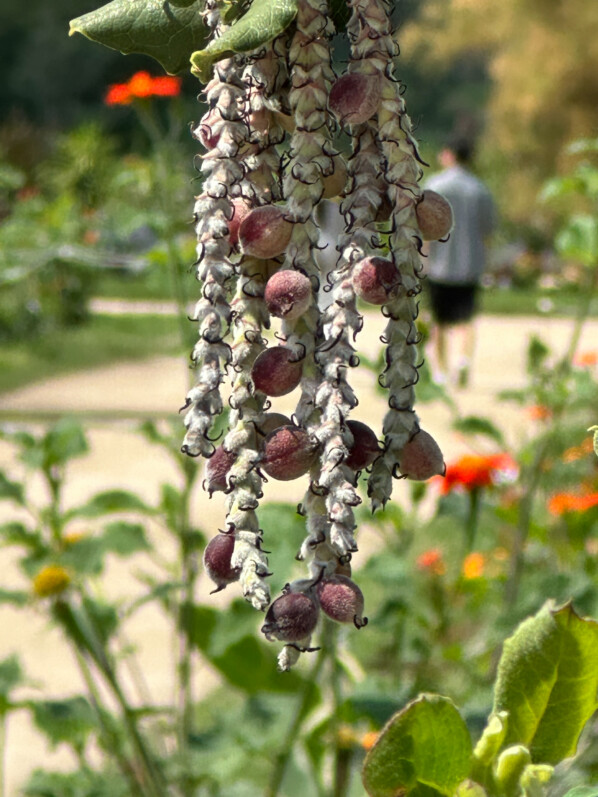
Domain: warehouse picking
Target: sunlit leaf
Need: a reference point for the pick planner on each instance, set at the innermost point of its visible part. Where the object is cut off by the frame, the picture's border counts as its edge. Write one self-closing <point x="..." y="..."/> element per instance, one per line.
<point x="165" y="31"/>
<point x="265" y="20"/>
<point x="547" y="682"/>
<point x="424" y="749"/>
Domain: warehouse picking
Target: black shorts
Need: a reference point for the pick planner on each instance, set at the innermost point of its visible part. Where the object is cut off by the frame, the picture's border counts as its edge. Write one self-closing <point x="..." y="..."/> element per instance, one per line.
<point x="450" y="303"/>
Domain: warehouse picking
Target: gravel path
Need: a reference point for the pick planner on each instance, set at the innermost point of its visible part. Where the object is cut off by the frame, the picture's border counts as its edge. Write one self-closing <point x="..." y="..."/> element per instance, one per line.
<point x="111" y="398"/>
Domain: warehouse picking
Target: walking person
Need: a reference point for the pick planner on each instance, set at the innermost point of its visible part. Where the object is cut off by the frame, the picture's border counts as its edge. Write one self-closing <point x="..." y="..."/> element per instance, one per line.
<point x="454" y="268"/>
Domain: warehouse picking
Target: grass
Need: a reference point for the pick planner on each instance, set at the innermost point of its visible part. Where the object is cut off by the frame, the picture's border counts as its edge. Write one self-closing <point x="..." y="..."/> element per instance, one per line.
<point x="493" y="301"/>
<point x="104" y="339"/>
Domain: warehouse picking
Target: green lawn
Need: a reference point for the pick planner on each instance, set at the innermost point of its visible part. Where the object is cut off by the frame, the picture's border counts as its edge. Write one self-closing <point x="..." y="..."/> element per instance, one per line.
<point x="102" y="340"/>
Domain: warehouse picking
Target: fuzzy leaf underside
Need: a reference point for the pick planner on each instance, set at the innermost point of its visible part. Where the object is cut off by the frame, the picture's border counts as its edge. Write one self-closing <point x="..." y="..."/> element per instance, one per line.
<point x="425" y="749"/>
<point x="158" y="28"/>
<point x="547" y="682"/>
<point x="265" y="20"/>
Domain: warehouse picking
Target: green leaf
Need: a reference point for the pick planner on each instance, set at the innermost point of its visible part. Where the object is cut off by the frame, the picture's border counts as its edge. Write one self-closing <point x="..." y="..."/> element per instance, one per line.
<point x="228" y="640"/>
<point x="125" y="539"/>
<point x="14" y="596"/>
<point x="11" y="491"/>
<point x="64" y="441"/>
<point x="167" y="32"/>
<point x="547" y="682"/>
<point x="70" y="720"/>
<point x="16" y="533"/>
<point x="11" y="675"/>
<point x="472" y="425"/>
<point x="583" y="791"/>
<point x="265" y="20"/>
<point x="423" y="749"/>
<point x="578" y="240"/>
<point x="85" y="556"/>
<point x="109" y="502"/>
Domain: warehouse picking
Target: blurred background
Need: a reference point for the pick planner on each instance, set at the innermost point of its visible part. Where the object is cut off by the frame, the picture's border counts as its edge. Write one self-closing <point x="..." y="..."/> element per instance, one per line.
<point x="96" y="278"/>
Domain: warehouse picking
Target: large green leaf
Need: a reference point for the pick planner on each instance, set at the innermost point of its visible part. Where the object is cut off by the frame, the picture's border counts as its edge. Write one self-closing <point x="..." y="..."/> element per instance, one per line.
<point x="11" y="491"/>
<point x="69" y="720"/>
<point x="265" y="20"/>
<point x="165" y="31"/>
<point x="109" y="502"/>
<point x="423" y="749"/>
<point x="547" y="682"/>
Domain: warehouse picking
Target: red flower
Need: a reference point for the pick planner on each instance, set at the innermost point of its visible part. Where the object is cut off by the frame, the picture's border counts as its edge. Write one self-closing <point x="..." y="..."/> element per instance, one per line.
<point x="118" y="94"/>
<point x="142" y="85"/>
<point x="166" y="86"/>
<point x="474" y="470"/>
<point x="431" y="561"/>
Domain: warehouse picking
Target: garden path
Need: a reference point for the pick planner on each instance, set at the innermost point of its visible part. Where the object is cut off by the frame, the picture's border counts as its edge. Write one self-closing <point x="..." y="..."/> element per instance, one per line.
<point x="112" y="399"/>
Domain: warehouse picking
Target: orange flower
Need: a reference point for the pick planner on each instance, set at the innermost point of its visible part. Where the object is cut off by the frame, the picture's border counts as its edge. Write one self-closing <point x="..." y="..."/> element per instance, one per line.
<point x="560" y="503"/>
<point x="474" y="470"/>
<point x="578" y="452"/>
<point x="473" y="566"/>
<point x="586" y="359"/>
<point x="538" y="412"/>
<point x="369" y="739"/>
<point x="142" y="85"/>
<point x="432" y="562"/>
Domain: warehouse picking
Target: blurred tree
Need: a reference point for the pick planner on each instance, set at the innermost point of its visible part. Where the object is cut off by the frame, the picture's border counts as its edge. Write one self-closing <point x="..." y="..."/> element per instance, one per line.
<point x="542" y="56"/>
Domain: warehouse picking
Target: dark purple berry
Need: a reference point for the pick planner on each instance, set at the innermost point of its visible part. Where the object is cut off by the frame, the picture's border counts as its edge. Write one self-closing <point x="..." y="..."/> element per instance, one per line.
<point x="355" y="98"/>
<point x="421" y="458"/>
<point x="291" y="617"/>
<point x="341" y="599"/>
<point x="275" y="372"/>
<point x="288" y="294"/>
<point x="434" y="216"/>
<point x="217" y="561"/>
<point x="217" y="469"/>
<point x="365" y="448"/>
<point x="376" y="280"/>
<point x="288" y="453"/>
<point x="265" y="232"/>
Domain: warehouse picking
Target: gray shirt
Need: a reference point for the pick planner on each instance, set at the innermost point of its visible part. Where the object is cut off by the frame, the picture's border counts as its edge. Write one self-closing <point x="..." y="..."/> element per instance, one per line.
<point x="461" y="259"/>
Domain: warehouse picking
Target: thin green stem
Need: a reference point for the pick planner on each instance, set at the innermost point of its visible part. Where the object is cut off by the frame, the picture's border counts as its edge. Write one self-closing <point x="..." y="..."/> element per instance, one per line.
<point x="473" y="517"/>
<point x="188" y="577"/>
<point x="111" y="743"/>
<point x="297" y="718"/>
<point x="3" y="719"/>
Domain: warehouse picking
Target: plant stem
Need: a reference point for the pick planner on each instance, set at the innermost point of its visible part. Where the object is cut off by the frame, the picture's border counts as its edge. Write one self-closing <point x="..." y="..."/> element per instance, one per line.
<point x="286" y="748"/>
<point x="473" y="517"/>
<point x="3" y="715"/>
<point x="101" y="712"/>
<point x="342" y="755"/>
<point x="188" y="577"/>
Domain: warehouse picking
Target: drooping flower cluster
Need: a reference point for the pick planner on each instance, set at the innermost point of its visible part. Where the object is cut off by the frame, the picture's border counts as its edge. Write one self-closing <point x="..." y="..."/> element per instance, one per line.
<point x="142" y="85"/>
<point x="271" y="165"/>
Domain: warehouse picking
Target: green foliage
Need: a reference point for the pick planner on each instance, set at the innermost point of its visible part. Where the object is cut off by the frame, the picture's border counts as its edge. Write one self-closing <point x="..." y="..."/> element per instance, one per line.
<point x="545" y="693"/>
<point x="264" y="21"/>
<point x="425" y="749"/>
<point x="167" y="32"/>
<point x="67" y="721"/>
<point x="547" y="682"/>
